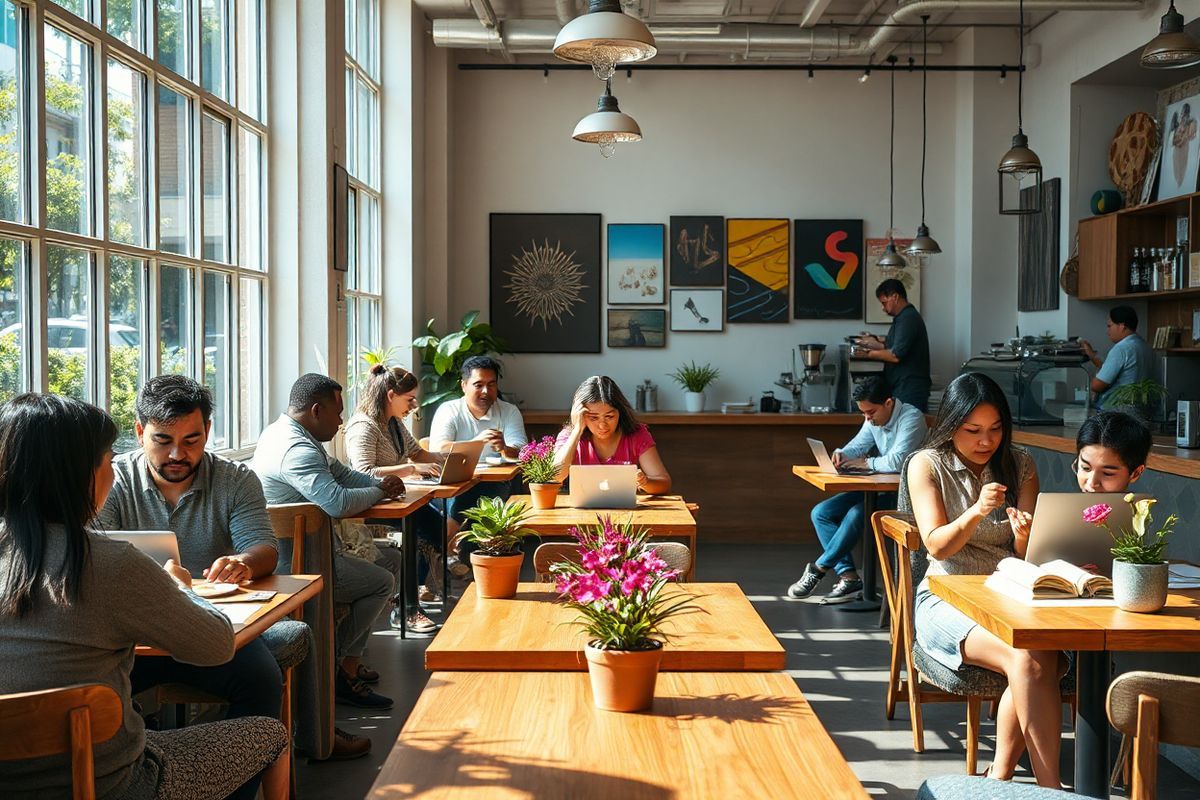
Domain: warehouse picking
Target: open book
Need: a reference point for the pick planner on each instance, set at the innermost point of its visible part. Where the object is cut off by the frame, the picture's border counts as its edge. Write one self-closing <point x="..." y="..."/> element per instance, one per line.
<point x="1053" y="580"/>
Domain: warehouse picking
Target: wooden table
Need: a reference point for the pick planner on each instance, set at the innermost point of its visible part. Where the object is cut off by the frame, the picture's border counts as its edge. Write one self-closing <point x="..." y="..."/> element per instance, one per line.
<point x="497" y="474"/>
<point x="870" y="486"/>
<point x="533" y="632"/>
<point x="666" y="516"/>
<point x="291" y="592"/>
<point x="1093" y="632"/>
<point x="537" y="734"/>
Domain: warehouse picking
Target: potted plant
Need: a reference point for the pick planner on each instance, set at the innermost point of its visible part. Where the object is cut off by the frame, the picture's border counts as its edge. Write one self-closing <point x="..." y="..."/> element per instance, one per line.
<point x="443" y="356"/>
<point x="618" y="588"/>
<point x="496" y="529"/>
<point x="694" y="380"/>
<point x="539" y="471"/>
<point x="1140" y="398"/>
<point x="1139" y="570"/>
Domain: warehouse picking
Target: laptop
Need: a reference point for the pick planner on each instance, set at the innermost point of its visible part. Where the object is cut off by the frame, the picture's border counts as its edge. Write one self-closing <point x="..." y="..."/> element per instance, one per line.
<point x="159" y="545"/>
<point x="604" y="486"/>
<point x="461" y="459"/>
<point x="1058" y="529"/>
<point x="825" y="463"/>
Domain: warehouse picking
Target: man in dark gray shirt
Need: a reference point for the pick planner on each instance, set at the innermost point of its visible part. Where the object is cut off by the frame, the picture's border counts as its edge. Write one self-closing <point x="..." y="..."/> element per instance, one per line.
<point x="905" y="351"/>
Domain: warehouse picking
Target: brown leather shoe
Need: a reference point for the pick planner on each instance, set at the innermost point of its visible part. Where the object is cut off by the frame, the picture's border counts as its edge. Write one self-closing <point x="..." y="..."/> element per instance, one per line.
<point x="367" y="675"/>
<point x="347" y="746"/>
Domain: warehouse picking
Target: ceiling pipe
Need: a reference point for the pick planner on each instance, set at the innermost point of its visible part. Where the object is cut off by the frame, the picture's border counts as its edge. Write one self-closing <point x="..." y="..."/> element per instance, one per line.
<point x="813" y="12"/>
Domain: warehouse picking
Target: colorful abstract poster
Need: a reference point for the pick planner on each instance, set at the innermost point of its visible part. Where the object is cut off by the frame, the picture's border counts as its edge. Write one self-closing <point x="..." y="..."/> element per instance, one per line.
<point x="637" y="327"/>
<point x="545" y="282"/>
<point x="757" y="257"/>
<point x="635" y="264"/>
<point x="828" y="269"/>
<point x="910" y="276"/>
<point x="697" y="251"/>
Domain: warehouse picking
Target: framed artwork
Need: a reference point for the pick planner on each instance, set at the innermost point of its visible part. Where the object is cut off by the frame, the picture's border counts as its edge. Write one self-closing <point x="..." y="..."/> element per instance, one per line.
<point x="1037" y="250"/>
<point x="757" y="254"/>
<point x="635" y="264"/>
<point x="1177" y="166"/>
<point x="697" y="251"/>
<point x="697" y="310"/>
<point x="544" y="281"/>
<point x="910" y="277"/>
<point x="637" y="327"/>
<point x="828" y="269"/>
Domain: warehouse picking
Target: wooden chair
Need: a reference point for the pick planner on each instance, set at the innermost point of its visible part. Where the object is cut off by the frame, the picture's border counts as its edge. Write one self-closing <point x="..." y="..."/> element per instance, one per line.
<point x="54" y="721"/>
<point x="676" y="554"/>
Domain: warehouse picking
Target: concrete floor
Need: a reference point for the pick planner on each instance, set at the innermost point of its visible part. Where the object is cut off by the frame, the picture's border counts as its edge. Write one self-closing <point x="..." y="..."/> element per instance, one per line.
<point x="838" y="659"/>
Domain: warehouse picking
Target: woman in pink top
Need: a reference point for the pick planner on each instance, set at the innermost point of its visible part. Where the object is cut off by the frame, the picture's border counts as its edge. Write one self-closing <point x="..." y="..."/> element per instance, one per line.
<point x="603" y="430"/>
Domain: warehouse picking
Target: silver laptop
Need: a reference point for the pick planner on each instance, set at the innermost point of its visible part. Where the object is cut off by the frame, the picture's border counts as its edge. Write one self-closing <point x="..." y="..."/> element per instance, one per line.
<point x="159" y="545"/>
<point x="461" y="460"/>
<point x="825" y="463"/>
<point x="1058" y="529"/>
<point x="603" y="486"/>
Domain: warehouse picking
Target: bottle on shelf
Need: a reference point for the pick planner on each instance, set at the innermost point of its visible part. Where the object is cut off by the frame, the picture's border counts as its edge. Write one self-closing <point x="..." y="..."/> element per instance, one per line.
<point x="1179" y="280"/>
<point x="1143" y="270"/>
<point x="1156" y="269"/>
<point x="1135" y="273"/>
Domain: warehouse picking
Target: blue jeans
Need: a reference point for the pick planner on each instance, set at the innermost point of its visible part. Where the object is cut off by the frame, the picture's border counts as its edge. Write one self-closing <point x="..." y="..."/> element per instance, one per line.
<point x="250" y="682"/>
<point x="839" y="524"/>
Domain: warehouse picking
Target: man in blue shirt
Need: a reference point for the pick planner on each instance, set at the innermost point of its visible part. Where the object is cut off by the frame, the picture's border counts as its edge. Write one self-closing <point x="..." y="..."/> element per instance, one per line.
<point x="1130" y="360"/>
<point x="892" y="429"/>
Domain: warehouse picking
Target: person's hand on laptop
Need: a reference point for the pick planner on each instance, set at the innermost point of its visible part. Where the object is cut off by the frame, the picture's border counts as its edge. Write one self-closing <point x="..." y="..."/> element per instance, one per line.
<point x="392" y="485"/>
<point x="181" y="575"/>
<point x="422" y="469"/>
<point x="1021" y="522"/>
<point x="641" y="479"/>
<point x="229" y="569"/>
<point x="851" y="463"/>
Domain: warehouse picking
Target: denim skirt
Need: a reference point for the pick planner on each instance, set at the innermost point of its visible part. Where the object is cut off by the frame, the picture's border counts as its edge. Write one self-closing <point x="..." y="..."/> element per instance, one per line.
<point x="940" y="628"/>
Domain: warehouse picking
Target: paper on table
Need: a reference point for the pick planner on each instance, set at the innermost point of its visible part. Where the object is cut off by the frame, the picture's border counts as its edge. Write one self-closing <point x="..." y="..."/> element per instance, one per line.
<point x="239" y="613"/>
<point x="1184" y="576"/>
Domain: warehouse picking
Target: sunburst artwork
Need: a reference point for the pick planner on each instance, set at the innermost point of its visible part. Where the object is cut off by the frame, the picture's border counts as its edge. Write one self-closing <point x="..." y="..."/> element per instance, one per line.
<point x="545" y="282"/>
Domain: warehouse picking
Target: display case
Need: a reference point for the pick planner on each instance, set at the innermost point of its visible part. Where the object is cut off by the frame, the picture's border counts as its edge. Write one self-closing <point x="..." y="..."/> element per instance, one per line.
<point x="1041" y="389"/>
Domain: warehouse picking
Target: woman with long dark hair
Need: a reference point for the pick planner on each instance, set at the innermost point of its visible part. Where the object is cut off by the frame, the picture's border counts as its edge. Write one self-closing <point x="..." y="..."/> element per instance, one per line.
<point x="74" y="603"/>
<point x="972" y="493"/>
<point x="604" y="430"/>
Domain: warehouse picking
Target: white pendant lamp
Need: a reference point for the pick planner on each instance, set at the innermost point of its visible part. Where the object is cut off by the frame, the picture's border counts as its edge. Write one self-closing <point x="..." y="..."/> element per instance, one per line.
<point x="607" y="125"/>
<point x="605" y="37"/>
<point x="890" y="258"/>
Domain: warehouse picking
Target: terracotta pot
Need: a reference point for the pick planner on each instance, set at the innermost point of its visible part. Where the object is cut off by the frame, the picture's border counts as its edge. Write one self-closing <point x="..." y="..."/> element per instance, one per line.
<point x="544" y="494"/>
<point x="1140" y="587"/>
<point x="623" y="680"/>
<point x="496" y="577"/>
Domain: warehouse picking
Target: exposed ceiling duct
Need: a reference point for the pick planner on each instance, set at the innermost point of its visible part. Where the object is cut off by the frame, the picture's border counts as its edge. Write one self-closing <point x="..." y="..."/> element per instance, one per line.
<point x="536" y="36"/>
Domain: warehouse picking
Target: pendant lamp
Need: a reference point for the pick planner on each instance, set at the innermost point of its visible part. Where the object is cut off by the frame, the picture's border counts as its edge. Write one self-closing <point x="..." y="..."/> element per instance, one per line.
<point x="1020" y="168"/>
<point x="890" y="258"/>
<point x="923" y="244"/>
<point x="1172" y="48"/>
<point x="607" y="125"/>
<point x="605" y="37"/>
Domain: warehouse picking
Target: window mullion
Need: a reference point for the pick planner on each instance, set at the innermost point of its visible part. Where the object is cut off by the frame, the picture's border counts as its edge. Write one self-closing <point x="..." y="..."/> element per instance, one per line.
<point x="101" y="274"/>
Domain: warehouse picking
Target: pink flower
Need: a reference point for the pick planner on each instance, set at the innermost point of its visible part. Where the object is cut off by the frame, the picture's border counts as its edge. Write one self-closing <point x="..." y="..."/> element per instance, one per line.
<point x="1097" y="514"/>
<point x="589" y="589"/>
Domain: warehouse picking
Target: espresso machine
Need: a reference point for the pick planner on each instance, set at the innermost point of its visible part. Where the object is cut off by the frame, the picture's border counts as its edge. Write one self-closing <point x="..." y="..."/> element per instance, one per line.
<point x="812" y="391"/>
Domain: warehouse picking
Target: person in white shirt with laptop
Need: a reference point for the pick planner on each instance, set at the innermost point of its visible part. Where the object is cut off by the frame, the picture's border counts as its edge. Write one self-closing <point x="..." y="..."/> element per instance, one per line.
<point x="891" y="429"/>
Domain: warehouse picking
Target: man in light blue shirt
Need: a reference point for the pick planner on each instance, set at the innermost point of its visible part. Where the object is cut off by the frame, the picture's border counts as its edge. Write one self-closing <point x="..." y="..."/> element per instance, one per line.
<point x="1130" y="360"/>
<point x="892" y="429"/>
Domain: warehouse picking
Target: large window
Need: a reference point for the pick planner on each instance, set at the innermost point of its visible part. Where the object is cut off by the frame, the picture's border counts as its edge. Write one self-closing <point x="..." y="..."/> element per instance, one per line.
<point x="147" y="231"/>
<point x="364" y="281"/>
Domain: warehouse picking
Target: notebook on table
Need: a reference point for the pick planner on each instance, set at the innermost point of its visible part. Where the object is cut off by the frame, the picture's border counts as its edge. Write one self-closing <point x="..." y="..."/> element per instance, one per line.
<point x="1054" y="580"/>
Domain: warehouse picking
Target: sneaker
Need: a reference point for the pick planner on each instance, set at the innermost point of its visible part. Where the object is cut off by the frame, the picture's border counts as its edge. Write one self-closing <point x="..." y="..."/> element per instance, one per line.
<point x="419" y="623"/>
<point x="354" y="692"/>
<point x="845" y="590"/>
<point x="427" y="595"/>
<point x="807" y="583"/>
<point x="458" y="569"/>
<point x="345" y="747"/>
<point x="367" y="675"/>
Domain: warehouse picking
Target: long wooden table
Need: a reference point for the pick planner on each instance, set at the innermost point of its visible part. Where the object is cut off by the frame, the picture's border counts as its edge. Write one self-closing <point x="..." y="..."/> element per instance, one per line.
<point x="870" y="486"/>
<point x="291" y="592"/>
<point x="534" y="632"/>
<point x="1092" y="631"/>
<point x="497" y="474"/>
<point x="538" y="734"/>
<point x="666" y="516"/>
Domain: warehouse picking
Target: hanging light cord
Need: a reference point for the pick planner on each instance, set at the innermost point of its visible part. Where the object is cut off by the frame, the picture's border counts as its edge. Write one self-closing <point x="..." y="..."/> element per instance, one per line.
<point x="1020" y="65"/>
<point x="892" y="163"/>
<point x="924" y="121"/>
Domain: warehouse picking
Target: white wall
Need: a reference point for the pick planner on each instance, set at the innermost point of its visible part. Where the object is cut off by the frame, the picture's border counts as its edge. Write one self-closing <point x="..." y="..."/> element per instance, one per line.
<point x="735" y="144"/>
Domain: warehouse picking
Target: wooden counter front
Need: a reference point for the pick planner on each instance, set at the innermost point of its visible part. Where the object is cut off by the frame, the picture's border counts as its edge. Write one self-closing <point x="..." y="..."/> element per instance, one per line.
<point x="654" y="418"/>
<point x="1164" y="456"/>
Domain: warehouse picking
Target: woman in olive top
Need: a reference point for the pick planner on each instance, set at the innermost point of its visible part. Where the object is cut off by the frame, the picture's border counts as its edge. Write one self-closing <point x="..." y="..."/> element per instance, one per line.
<point x="74" y="603"/>
<point x="603" y="430"/>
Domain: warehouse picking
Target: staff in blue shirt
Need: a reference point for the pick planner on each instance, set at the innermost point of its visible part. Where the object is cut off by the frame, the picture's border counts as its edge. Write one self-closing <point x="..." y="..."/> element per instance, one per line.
<point x="892" y="429"/>
<point x="1130" y="360"/>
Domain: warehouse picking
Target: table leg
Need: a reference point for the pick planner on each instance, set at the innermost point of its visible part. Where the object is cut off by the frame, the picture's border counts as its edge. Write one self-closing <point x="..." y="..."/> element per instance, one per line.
<point x="1091" y="725"/>
<point x="870" y="597"/>
<point x="691" y="576"/>
<point x="445" y="554"/>
<point x="408" y="572"/>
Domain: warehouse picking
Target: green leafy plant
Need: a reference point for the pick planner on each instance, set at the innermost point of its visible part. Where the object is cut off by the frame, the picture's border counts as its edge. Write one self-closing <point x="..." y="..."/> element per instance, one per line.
<point x="1144" y="393"/>
<point x="694" y="378"/>
<point x="496" y="526"/>
<point x="1132" y="546"/>
<point x="443" y="356"/>
<point x="377" y="355"/>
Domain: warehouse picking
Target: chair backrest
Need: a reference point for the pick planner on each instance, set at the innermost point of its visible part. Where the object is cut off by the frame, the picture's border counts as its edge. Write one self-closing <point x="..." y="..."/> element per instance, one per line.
<point x="676" y="554"/>
<point x="1153" y="707"/>
<point x="68" y="720"/>
<point x="901" y="529"/>
<point x="918" y="557"/>
<point x="305" y="535"/>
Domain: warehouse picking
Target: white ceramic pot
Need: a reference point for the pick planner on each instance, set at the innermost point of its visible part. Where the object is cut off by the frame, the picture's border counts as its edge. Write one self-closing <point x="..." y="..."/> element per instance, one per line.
<point x="693" y="402"/>
<point x="1139" y="587"/>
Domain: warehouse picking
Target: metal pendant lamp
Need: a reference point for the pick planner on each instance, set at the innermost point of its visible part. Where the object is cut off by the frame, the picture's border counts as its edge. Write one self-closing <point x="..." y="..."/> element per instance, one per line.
<point x="605" y="37"/>
<point x="1020" y="168"/>
<point x="890" y="258"/>
<point x="1172" y="48"/>
<point x="607" y="125"/>
<point x="923" y="244"/>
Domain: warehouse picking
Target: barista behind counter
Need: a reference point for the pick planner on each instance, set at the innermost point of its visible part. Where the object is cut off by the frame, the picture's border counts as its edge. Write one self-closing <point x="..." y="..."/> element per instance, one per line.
<point x="905" y="351"/>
